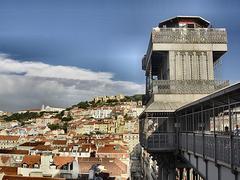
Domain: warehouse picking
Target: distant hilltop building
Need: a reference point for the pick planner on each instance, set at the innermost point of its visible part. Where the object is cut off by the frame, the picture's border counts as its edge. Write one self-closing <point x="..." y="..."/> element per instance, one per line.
<point x="42" y="109"/>
<point x="29" y="110"/>
<point x="106" y="98"/>
<point x="51" y="109"/>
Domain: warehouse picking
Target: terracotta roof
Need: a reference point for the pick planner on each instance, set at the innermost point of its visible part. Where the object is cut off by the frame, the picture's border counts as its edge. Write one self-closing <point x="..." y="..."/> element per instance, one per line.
<point x="8" y="177"/>
<point x="13" y="151"/>
<point x="8" y="170"/>
<point x="9" y="138"/>
<point x="43" y="148"/>
<point x="33" y="143"/>
<point x="59" y="161"/>
<point x="111" y="166"/>
<point x="30" y="160"/>
<point x="59" y="142"/>
<point x="112" y="148"/>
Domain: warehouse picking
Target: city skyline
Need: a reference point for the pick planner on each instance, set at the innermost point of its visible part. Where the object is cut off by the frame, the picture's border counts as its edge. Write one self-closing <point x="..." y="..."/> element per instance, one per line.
<point x="62" y="52"/>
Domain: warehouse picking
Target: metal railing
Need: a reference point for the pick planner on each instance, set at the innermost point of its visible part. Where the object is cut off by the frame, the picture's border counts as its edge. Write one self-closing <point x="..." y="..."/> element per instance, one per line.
<point x="159" y="141"/>
<point x="236" y="151"/>
<point x="190" y="35"/>
<point x="186" y="86"/>
<point x="215" y="147"/>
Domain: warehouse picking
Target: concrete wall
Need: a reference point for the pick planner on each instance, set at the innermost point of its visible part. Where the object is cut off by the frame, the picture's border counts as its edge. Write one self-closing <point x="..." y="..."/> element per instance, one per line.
<point x="191" y="65"/>
<point x="181" y="98"/>
<point x="187" y="47"/>
<point x="38" y="171"/>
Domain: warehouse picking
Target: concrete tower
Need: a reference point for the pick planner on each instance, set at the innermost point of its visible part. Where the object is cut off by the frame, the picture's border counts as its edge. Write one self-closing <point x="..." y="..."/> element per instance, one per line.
<point x="179" y="68"/>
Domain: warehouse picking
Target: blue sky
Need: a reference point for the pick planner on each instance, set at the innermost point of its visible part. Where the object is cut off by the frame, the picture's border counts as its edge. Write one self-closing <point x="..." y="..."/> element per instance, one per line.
<point x="108" y="36"/>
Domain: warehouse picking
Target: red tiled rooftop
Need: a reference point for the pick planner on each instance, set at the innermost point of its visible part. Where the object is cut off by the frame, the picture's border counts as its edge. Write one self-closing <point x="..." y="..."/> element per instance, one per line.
<point x="111" y="166"/>
<point x="9" y="138"/>
<point x="8" y="177"/>
<point x="30" y="160"/>
<point x="8" y="170"/>
<point x="43" y="148"/>
<point x="33" y="143"/>
<point x="112" y="148"/>
<point x="13" y="151"/>
<point x="59" y="161"/>
<point x="59" y="142"/>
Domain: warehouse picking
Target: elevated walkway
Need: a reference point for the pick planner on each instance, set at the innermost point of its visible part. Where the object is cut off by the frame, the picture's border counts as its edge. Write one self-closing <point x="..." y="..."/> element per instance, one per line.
<point x="204" y="135"/>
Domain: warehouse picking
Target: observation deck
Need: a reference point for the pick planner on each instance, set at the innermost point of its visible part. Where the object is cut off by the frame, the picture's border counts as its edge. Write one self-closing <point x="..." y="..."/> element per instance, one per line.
<point x="187" y="109"/>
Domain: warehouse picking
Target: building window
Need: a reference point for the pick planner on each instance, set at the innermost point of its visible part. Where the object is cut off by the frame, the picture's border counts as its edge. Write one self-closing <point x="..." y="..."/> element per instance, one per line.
<point x="190" y="25"/>
<point x="71" y="166"/>
<point x="65" y="167"/>
<point x="24" y="165"/>
<point x="36" y="166"/>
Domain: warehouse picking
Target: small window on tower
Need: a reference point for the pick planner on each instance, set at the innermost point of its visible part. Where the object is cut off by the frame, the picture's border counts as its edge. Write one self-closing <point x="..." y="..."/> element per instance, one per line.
<point x="190" y="25"/>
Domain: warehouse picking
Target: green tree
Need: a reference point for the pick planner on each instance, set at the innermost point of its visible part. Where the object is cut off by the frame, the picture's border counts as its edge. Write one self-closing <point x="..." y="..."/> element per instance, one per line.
<point x="83" y="105"/>
<point x="21" y="117"/>
<point x="65" y="127"/>
<point x="67" y="118"/>
<point x="54" y="126"/>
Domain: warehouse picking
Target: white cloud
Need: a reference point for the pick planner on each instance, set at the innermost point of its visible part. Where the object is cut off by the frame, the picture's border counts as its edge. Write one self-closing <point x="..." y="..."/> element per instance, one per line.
<point x="39" y="69"/>
<point x="31" y="84"/>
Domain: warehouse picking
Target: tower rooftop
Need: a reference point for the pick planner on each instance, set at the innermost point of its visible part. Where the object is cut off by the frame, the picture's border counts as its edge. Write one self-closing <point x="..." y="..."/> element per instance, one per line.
<point x="181" y="21"/>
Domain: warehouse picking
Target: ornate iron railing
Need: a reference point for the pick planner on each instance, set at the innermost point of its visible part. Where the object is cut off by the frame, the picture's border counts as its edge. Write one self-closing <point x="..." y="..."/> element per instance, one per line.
<point x="161" y="141"/>
<point x="189" y="35"/>
<point x="210" y="146"/>
<point x="215" y="147"/>
<point x="186" y="86"/>
<point x="153" y="138"/>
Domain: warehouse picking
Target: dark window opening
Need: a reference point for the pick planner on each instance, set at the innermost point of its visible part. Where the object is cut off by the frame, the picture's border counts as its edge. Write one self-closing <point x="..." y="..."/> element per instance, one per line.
<point x="190" y="25"/>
